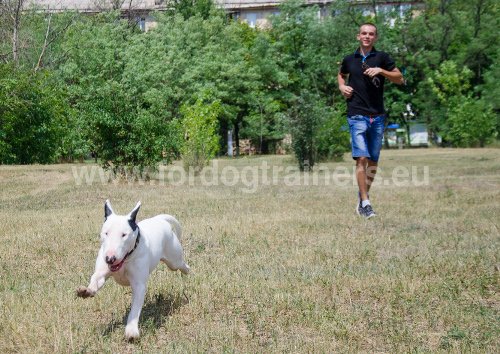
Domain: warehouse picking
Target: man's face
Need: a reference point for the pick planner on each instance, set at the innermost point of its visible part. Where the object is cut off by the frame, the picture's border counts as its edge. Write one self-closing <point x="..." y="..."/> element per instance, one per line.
<point x="367" y="36"/>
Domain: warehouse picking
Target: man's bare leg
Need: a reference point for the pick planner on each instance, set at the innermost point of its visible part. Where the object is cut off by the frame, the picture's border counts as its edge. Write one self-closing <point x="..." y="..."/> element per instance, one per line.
<point x="371" y="171"/>
<point x="361" y="177"/>
<point x="365" y="174"/>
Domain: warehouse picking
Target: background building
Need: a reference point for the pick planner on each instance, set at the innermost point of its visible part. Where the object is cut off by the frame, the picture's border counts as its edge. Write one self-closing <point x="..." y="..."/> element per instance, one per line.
<point x="253" y="12"/>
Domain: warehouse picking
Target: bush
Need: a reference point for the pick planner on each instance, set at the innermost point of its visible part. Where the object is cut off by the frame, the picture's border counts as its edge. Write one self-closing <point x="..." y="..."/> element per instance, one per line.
<point x="333" y="136"/>
<point x="307" y="115"/>
<point x="470" y="123"/>
<point x="467" y="121"/>
<point x="33" y="117"/>
<point x="200" y="131"/>
<point x="74" y="144"/>
<point x="125" y="138"/>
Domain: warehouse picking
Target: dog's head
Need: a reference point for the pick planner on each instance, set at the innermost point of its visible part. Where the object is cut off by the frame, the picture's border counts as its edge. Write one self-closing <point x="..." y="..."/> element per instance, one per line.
<point x="118" y="235"/>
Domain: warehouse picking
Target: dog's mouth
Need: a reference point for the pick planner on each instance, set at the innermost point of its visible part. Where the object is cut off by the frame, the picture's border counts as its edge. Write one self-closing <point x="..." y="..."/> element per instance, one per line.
<point x="116" y="267"/>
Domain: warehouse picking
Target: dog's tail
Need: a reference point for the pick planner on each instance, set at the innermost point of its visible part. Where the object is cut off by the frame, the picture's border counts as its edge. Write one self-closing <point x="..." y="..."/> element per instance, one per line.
<point x="175" y="224"/>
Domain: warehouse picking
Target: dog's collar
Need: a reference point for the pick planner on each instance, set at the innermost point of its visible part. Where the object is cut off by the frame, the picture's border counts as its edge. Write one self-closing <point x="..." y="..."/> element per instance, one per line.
<point x="135" y="246"/>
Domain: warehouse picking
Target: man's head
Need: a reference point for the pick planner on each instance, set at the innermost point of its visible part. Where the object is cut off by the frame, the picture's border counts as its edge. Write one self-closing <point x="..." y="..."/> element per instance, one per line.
<point x="367" y="35"/>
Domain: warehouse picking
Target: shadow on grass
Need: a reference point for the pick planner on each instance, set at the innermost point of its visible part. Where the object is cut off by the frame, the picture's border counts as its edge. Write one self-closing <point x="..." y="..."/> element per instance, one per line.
<point x="155" y="312"/>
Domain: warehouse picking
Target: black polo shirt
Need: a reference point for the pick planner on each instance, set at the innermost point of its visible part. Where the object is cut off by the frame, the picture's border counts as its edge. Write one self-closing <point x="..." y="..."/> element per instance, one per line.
<point x="367" y="99"/>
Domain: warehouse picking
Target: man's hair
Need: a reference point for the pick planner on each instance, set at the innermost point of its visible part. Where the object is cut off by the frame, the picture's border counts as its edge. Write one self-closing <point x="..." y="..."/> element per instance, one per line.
<point x="369" y="24"/>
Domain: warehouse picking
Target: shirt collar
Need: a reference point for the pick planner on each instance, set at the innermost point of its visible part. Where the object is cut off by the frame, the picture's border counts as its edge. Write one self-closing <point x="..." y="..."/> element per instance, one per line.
<point x="357" y="53"/>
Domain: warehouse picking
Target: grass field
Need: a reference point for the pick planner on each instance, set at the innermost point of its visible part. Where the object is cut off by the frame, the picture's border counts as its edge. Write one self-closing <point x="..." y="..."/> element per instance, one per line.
<point x="279" y="265"/>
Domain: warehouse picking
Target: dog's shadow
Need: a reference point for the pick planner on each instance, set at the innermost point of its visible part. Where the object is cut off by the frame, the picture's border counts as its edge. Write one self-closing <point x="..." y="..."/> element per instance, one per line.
<point x="155" y="312"/>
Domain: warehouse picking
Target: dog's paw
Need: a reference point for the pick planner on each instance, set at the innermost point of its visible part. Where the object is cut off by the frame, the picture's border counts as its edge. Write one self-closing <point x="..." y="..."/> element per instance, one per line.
<point x="185" y="270"/>
<point x="131" y="333"/>
<point x="84" y="292"/>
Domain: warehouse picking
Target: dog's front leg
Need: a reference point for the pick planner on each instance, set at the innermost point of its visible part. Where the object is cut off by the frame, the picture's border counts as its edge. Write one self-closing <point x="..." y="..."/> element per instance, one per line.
<point x="138" y="294"/>
<point x="97" y="280"/>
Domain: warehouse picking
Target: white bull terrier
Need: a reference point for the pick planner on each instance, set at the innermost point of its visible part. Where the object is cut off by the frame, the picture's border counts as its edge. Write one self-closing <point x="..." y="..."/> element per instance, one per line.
<point x="130" y="251"/>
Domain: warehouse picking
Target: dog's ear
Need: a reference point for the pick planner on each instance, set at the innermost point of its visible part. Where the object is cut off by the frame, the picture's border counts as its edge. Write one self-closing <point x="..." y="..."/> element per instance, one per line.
<point x="133" y="215"/>
<point x="108" y="210"/>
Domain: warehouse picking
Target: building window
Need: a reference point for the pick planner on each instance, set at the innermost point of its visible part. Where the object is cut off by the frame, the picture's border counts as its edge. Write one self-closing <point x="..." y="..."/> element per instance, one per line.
<point x="251" y="19"/>
<point x="234" y="16"/>
<point x="404" y="9"/>
<point x="141" y="23"/>
<point x="385" y="9"/>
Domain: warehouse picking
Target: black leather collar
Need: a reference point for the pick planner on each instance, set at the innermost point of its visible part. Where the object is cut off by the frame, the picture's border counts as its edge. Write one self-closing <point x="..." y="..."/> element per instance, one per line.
<point x="136" y="243"/>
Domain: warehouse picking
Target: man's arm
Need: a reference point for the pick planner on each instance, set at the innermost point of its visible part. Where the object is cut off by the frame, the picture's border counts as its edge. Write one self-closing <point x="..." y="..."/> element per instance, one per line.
<point x="344" y="89"/>
<point x="393" y="76"/>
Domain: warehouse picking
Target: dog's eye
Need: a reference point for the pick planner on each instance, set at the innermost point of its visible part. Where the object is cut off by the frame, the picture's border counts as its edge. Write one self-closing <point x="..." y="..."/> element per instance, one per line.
<point x="123" y="235"/>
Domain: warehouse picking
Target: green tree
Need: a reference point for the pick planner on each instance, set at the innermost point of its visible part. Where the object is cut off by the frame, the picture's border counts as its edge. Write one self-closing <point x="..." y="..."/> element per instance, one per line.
<point x="190" y="8"/>
<point x="307" y="52"/>
<point x="265" y="125"/>
<point x="188" y="57"/>
<point x="490" y="91"/>
<point x="460" y="31"/>
<point x="126" y="120"/>
<point x="264" y="117"/>
<point x="465" y="121"/>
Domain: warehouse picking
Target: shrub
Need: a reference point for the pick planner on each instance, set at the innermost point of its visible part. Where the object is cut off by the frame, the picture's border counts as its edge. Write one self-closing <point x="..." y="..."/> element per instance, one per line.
<point x="307" y="115"/>
<point x="333" y="136"/>
<point x="470" y="123"/>
<point x="467" y="121"/>
<point x="200" y="132"/>
<point x="127" y="138"/>
<point x="33" y="117"/>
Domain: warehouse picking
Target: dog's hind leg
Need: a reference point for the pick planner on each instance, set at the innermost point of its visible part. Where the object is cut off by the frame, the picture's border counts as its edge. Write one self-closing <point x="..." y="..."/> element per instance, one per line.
<point x="173" y="255"/>
<point x="179" y="265"/>
<point x="185" y="269"/>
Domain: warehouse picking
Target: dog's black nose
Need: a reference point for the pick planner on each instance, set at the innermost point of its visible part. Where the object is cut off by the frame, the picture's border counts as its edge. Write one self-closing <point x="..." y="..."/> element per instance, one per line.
<point x="110" y="260"/>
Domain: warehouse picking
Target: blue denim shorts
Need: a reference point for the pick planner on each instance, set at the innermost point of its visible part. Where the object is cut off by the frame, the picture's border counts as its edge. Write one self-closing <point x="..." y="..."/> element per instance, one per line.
<point x="366" y="135"/>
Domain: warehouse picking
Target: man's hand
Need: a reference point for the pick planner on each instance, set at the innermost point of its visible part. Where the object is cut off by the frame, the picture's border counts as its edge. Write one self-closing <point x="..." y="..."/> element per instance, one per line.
<point x="394" y="75"/>
<point x="371" y="72"/>
<point x="346" y="91"/>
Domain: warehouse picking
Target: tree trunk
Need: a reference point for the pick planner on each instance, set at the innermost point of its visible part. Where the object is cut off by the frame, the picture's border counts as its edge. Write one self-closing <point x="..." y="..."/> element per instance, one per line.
<point x="237" y="138"/>
<point x="16" y="17"/>
<point x="45" y="45"/>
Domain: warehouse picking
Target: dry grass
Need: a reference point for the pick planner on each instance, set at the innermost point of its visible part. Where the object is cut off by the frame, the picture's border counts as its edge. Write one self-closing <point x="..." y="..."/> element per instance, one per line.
<point x="284" y="269"/>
